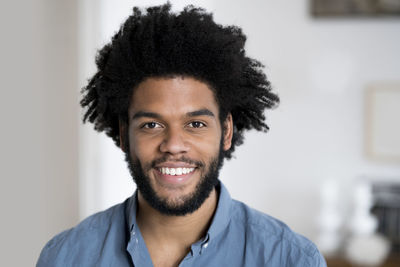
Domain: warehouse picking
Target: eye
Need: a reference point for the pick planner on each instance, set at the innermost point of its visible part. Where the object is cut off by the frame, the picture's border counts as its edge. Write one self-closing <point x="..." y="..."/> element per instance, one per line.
<point x="196" y="124"/>
<point x="151" y="125"/>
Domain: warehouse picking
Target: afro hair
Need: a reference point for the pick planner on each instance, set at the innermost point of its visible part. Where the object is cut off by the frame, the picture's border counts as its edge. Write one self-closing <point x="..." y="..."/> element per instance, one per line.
<point x="160" y="43"/>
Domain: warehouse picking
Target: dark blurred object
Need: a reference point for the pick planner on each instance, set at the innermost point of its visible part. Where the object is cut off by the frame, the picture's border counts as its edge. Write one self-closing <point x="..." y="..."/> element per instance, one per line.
<point x="387" y="210"/>
<point x="331" y="8"/>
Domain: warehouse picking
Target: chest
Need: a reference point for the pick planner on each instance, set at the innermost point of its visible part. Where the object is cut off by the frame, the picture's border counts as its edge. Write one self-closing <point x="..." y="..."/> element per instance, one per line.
<point x="233" y="254"/>
<point x="167" y="255"/>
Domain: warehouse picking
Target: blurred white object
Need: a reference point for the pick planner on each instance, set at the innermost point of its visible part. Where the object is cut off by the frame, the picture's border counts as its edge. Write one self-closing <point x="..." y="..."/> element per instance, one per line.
<point x="367" y="250"/>
<point x="362" y="221"/>
<point x="329" y="219"/>
<point x="365" y="247"/>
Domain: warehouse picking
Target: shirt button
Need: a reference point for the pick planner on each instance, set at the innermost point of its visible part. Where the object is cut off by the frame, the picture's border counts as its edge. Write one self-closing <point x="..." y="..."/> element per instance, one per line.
<point x="205" y="245"/>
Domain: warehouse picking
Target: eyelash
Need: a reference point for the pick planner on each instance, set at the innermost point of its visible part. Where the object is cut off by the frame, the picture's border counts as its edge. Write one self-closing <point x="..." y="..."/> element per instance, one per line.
<point x="191" y="125"/>
<point x="201" y="126"/>
<point x="146" y="125"/>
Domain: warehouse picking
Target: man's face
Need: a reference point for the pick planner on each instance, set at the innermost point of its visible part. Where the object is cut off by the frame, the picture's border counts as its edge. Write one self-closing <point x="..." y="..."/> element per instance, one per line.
<point x="174" y="143"/>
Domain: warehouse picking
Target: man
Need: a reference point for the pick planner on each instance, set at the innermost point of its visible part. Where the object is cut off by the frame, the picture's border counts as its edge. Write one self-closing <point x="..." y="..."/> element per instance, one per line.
<point x="176" y="92"/>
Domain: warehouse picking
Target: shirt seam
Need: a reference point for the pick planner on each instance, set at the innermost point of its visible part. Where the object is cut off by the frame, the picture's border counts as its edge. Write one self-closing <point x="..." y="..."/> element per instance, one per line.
<point x="310" y="254"/>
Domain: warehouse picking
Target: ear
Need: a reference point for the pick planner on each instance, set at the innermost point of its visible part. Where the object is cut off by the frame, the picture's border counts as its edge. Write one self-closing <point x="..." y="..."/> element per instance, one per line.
<point x="122" y="129"/>
<point x="228" y="132"/>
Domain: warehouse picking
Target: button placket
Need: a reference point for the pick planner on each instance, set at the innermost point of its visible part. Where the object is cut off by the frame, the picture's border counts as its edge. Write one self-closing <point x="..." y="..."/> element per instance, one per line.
<point x="133" y="235"/>
<point x="204" y="245"/>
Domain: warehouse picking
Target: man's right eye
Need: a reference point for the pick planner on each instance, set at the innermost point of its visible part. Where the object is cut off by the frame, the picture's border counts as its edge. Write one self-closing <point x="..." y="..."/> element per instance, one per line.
<point x="151" y="125"/>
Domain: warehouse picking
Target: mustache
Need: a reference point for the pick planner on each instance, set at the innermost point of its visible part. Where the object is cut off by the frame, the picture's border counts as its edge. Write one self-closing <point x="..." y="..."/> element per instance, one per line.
<point x="181" y="159"/>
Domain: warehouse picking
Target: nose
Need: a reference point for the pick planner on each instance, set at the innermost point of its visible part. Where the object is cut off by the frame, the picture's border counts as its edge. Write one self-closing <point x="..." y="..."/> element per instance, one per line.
<point x="174" y="142"/>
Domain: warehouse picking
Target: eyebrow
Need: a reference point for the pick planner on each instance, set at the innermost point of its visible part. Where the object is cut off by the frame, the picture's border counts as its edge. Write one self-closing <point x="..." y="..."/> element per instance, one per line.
<point x="200" y="112"/>
<point x="146" y="114"/>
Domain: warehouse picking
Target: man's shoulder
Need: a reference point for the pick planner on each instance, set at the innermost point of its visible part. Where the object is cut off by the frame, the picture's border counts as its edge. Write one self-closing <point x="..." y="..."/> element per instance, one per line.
<point x="263" y="224"/>
<point x="84" y="238"/>
<point x="267" y="232"/>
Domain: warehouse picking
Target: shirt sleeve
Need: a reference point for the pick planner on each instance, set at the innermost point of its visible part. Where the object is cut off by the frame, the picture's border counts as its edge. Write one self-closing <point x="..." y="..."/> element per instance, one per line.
<point x="43" y="260"/>
<point x="319" y="260"/>
<point x="48" y="255"/>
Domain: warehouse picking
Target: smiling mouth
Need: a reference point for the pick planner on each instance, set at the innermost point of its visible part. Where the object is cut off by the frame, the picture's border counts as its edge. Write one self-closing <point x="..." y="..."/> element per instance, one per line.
<point x="175" y="171"/>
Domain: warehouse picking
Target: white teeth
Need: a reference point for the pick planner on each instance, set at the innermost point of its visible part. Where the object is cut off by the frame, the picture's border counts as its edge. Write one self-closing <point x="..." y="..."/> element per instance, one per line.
<point x="175" y="171"/>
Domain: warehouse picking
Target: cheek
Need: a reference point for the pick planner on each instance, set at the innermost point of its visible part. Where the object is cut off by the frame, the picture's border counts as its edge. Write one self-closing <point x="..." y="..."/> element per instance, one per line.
<point x="201" y="147"/>
<point x="206" y="146"/>
<point x="140" y="149"/>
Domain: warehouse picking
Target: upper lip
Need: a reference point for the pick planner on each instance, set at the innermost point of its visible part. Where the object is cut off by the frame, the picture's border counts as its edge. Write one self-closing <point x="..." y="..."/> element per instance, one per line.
<point x="175" y="165"/>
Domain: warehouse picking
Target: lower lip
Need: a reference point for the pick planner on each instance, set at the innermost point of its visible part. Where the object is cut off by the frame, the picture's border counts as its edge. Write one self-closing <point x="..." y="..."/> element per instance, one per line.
<point x="173" y="179"/>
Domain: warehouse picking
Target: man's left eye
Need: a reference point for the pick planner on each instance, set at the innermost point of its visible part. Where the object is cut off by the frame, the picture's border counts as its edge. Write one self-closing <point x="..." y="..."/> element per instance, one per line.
<point x="196" y="124"/>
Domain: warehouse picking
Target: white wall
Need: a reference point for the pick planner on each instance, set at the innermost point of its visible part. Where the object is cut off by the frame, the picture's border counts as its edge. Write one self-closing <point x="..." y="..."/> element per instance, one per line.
<point x="39" y="127"/>
<point x="320" y="68"/>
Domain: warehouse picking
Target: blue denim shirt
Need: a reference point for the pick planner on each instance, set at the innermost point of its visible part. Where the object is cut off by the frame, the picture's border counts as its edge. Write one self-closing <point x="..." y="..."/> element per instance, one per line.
<point x="238" y="236"/>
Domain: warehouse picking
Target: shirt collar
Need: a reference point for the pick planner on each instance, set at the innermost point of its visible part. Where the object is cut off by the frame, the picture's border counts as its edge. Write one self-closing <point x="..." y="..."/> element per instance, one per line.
<point x="219" y="222"/>
<point x="222" y="215"/>
<point x="130" y="211"/>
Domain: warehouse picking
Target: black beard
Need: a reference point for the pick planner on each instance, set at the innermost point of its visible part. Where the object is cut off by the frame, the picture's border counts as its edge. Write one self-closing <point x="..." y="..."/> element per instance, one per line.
<point x="191" y="202"/>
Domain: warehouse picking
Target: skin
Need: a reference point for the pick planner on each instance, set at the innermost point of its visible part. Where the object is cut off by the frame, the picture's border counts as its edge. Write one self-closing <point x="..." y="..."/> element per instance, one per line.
<point x="172" y="118"/>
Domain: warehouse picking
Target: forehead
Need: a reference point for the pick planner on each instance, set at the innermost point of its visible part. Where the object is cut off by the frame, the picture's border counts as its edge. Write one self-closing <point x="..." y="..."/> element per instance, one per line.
<point x="172" y="95"/>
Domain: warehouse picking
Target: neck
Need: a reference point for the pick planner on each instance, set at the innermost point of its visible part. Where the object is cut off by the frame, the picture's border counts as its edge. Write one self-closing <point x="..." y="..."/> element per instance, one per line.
<point x="180" y="230"/>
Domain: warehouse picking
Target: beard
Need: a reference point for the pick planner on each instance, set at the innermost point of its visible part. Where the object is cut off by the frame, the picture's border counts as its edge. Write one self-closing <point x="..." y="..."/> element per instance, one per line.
<point x="187" y="203"/>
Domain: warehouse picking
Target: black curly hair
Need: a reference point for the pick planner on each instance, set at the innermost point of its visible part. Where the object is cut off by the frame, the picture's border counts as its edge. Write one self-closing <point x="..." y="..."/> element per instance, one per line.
<point x="160" y="43"/>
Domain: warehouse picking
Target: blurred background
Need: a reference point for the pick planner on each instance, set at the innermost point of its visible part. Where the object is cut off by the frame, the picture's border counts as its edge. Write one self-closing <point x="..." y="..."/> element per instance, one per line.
<point x="332" y="154"/>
